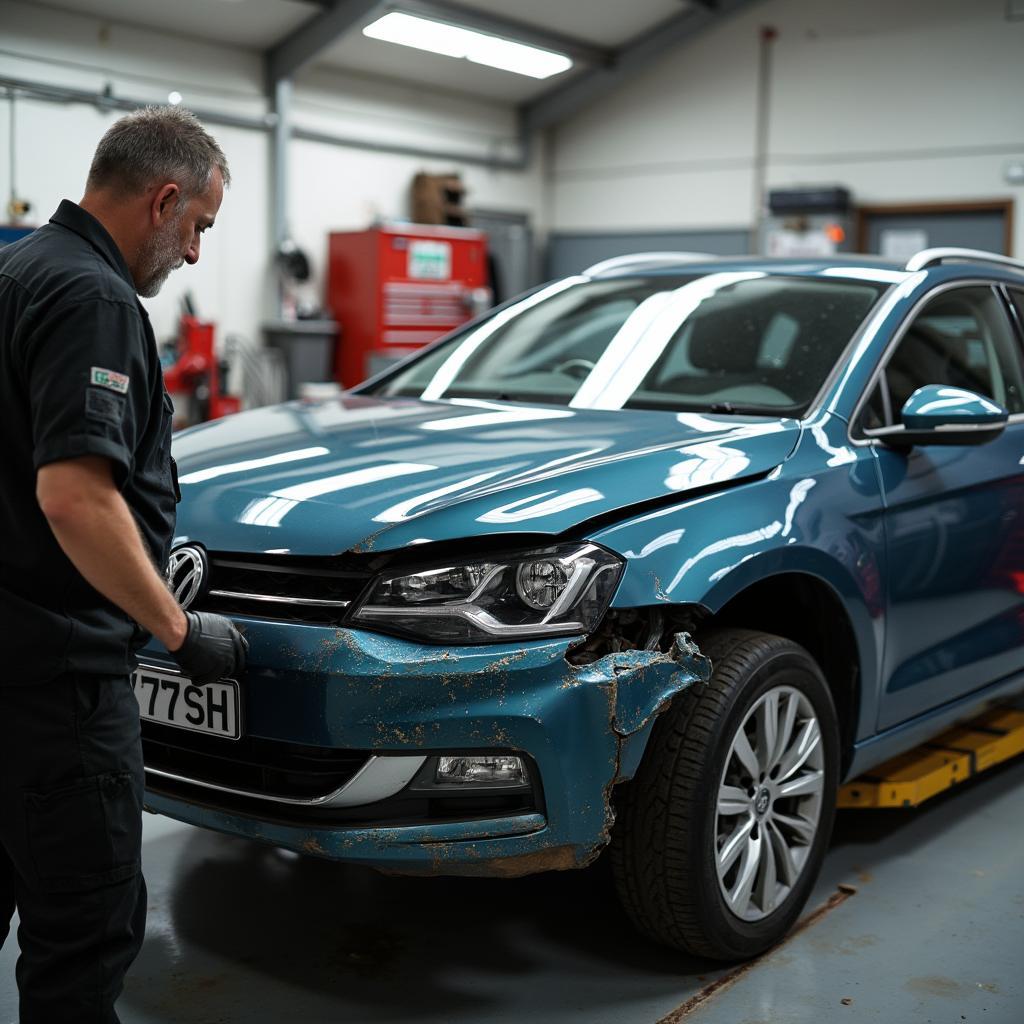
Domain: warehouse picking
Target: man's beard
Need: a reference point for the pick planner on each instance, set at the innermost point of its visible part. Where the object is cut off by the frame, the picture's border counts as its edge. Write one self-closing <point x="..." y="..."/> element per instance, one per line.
<point x="161" y="255"/>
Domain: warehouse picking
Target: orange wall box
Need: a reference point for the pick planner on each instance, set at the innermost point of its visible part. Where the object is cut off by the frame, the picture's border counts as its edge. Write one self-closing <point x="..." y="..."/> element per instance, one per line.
<point x="396" y="288"/>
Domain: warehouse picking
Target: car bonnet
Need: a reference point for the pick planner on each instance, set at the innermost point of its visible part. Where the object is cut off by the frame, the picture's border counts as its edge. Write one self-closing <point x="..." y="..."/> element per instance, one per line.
<point x="361" y="474"/>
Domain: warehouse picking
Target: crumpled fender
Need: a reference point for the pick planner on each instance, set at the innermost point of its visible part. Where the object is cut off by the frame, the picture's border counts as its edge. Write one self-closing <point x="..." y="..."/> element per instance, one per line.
<point x="640" y="684"/>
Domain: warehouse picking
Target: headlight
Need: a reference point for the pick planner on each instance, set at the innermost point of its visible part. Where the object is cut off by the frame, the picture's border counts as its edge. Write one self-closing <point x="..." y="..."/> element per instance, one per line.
<point x="556" y="591"/>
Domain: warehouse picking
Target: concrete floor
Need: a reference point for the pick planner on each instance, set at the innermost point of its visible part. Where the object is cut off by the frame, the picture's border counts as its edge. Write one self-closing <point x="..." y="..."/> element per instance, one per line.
<point x="242" y="933"/>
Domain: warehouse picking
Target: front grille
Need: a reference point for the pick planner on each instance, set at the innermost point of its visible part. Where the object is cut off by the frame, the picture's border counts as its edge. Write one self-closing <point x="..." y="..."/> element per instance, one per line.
<point x="282" y="588"/>
<point x="251" y="764"/>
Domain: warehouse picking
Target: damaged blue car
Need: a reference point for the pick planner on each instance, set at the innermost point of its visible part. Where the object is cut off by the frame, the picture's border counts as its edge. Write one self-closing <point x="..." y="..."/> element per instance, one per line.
<point x="647" y="559"/>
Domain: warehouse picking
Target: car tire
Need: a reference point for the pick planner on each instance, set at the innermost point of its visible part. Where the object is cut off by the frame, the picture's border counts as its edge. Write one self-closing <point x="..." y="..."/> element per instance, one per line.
<point x="681" y="861"/>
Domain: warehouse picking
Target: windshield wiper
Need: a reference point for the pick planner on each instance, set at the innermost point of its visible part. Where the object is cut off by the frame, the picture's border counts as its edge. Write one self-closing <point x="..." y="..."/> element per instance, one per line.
<point x="728" y="409"/>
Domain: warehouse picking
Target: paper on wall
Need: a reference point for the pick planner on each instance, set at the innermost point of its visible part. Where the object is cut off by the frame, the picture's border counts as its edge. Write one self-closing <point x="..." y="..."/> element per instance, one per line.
<point x="902" y="243"/>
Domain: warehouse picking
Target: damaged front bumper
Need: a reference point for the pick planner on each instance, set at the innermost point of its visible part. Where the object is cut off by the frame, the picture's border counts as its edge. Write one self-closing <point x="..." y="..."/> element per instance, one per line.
<point x="581" y="728"/>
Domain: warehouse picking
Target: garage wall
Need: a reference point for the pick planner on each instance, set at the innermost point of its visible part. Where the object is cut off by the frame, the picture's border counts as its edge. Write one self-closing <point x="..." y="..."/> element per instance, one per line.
<point x="916" y="101"/>
<point x="340" y="189"/>
<point x="54" y="143"/>
<point x="332" y="187"/>
<point x="570" y="252"/>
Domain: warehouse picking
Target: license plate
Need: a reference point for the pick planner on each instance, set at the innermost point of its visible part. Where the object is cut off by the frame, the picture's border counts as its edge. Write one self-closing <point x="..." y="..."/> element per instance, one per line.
<point x="175" y="700"/>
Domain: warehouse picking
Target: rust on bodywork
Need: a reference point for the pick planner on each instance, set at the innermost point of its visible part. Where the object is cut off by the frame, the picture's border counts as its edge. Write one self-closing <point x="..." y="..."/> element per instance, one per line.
<point x="468" y="865"/>
<point x="556" y="858"/>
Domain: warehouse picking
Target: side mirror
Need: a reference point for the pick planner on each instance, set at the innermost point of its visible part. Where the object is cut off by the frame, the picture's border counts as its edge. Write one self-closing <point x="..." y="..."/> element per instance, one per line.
<point x="939" y="414"/>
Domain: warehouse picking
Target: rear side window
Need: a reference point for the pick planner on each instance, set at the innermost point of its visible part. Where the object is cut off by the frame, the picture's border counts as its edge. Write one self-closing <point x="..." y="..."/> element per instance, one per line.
<point x="961" y="338"/>
<point x="1017" y="296"/>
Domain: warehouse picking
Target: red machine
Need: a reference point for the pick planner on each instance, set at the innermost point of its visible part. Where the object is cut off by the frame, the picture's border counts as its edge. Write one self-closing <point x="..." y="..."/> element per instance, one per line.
<point x="195" y="381"/>
<point x="397" y="288"/>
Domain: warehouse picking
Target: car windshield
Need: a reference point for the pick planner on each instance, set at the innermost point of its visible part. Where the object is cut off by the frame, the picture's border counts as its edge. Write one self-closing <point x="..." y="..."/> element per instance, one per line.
<point x="735" y="342"/>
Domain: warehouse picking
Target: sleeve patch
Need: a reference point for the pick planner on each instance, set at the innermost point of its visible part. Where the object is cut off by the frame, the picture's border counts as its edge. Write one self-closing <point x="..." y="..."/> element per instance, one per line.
<point x="101" y="405"/>
<point x="109" y="379"/>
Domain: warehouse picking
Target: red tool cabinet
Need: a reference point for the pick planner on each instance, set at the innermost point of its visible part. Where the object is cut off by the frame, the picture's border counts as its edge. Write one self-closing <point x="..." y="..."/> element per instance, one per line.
<point x="396" y="288"/>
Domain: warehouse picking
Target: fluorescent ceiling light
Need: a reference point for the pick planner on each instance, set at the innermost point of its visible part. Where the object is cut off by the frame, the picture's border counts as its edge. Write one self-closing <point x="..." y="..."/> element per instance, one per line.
<point x="478" y="47"/>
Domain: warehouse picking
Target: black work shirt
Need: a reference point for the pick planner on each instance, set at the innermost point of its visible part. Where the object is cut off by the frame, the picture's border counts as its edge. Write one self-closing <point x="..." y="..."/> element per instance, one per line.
<point x="79" y="375"/>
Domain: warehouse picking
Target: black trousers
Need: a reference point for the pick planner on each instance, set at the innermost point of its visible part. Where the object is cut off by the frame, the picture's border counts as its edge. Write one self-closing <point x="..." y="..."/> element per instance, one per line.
<point x="71" y="785"/>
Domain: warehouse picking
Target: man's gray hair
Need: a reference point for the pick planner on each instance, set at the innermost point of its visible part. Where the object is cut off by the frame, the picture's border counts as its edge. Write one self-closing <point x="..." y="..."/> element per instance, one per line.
<point x="153" y="146"/>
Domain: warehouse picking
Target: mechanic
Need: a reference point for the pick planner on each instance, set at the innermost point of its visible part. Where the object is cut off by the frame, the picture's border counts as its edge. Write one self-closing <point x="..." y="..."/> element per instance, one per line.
<point x="86" y="519"/>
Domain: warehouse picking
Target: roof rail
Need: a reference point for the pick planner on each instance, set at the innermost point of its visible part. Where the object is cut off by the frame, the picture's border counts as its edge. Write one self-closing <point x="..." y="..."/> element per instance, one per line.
<point x="933" y="257"/>
<point x="638" y="260"/>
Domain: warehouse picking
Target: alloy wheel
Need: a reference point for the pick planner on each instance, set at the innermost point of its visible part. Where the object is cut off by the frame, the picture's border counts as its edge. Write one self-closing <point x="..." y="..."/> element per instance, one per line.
<point x="769" y="803"/>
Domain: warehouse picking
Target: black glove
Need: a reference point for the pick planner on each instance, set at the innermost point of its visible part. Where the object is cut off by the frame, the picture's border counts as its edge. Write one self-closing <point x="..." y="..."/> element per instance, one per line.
<point x="213" y="648"/>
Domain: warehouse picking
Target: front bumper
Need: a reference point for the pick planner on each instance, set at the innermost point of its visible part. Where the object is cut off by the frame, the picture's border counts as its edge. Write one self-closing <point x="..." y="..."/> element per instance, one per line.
<point x="584" y="728"/>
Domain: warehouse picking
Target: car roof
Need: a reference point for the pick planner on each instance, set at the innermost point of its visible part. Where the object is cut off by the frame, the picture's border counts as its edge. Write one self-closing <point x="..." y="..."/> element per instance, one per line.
<point x="951" y="262"/>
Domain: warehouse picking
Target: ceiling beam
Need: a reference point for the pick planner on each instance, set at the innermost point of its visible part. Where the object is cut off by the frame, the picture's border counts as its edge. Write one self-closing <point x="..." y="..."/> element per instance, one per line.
<point x="314" y="36"/>
<point x="509" y="28"/>
<point x="563" y="101"/>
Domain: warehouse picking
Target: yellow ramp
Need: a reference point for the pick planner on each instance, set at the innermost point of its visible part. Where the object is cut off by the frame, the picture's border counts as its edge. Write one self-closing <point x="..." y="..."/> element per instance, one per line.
<point x="956" y="755"/>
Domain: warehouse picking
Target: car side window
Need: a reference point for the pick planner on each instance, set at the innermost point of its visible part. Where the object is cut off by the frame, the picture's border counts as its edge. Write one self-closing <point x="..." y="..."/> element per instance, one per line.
<point x="1017" y="298"/>
<point x="874" y="414"/>
<point x="961" y="338"/>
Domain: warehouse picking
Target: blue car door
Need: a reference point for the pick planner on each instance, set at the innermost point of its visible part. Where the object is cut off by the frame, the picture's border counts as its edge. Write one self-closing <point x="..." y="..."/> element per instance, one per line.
<point x="954" y="514"/>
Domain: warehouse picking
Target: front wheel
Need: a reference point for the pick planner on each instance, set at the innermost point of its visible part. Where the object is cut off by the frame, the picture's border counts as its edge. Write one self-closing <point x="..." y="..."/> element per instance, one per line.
<point x="721" y="834"/>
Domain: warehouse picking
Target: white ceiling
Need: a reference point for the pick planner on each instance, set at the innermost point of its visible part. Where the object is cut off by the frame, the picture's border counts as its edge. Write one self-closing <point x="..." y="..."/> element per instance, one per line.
<point x="259" y="24"/>
<point x="604" y="22"/>
<point x="250" y="24"/>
